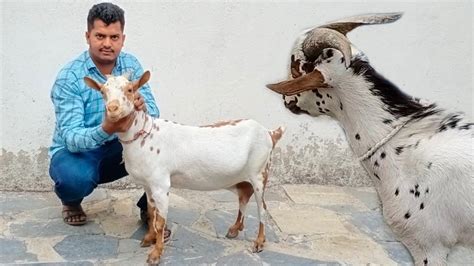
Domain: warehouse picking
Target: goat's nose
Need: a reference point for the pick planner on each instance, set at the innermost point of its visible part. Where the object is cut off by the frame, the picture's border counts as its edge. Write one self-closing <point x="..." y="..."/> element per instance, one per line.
<point x="113" y="106"/>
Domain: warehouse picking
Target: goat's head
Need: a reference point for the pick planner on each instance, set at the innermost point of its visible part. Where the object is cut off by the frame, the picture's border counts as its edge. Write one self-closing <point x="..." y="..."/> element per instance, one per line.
<point x="118" y="93"/>
<point x="320" y="62"/>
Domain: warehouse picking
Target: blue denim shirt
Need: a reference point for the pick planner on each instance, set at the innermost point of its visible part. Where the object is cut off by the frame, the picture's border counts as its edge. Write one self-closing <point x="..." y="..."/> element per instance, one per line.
<point x="80" y="110"/>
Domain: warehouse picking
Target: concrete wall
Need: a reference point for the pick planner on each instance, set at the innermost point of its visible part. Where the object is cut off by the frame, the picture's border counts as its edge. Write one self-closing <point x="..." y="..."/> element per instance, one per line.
<point x="210" y="60"/>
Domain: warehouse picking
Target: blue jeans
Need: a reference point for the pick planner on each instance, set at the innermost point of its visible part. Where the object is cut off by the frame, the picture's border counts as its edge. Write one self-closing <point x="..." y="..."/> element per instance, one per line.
<point x="76" y="175"/>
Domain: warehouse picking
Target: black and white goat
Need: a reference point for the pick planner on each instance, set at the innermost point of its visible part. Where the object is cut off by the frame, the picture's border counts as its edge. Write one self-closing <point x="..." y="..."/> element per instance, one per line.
<point x="419" y="156"/>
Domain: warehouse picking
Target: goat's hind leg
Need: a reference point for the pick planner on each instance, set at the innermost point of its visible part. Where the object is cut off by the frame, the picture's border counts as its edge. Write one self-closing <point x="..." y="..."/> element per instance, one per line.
<point x="259" y="186"/>
<point x="244" y="191"/>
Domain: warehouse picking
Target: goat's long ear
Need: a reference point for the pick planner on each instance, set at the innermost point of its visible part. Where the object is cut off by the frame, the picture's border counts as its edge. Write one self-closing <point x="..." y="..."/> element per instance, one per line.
<point x="92" y="83"/>
<point x="307" y="82"/>
<point x="143" y="79"/>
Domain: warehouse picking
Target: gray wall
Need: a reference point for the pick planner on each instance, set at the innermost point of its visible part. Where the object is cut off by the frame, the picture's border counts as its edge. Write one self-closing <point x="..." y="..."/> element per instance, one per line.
<point x="210" y="61"/>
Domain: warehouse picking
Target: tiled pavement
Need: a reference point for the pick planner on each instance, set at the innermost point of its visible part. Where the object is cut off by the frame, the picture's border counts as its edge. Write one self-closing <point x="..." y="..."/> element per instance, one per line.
<point x="308" y="225"/>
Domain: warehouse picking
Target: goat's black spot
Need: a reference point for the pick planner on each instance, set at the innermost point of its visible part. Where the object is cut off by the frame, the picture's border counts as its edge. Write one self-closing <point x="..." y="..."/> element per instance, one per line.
<point x="329" y="96"/>
<point x="329" y="53"/>
<point x="298" y="94"/>
<point x="417" y="194"/>
<point x="340" y="105"/>
<point x="342" y="60"/>
<point x="376" y="164"/>
<point x="466" y="126"/>
<point x="425" y="261"/>
<point x="318" y="103"/>
<point x="399" y="150"/>
<point x="357" y="136"/>
<point x="308" y="67"/>
<point x="294" y="108"/>
<point x="396" y="102"/>
<point x="397" y="191"/>
<point x="429" y="165"/>
<point x="328" y="61"/>
<point x="417" y="186"/>
<point x="417" y="143"/>
<point x="427" y="191"/>
<point x="382" y="155"/>
<point x="323" y="102"/>
<point x="412" y="191"/>
<point x="387" y="121"/>
<point x="317" y="93"/>
<point x="327" y="110"/>
<point x="422" y="206"/>
<point x="450" y="121"/>
<point x="407" y="215"/>
<point x="377" y="176"/>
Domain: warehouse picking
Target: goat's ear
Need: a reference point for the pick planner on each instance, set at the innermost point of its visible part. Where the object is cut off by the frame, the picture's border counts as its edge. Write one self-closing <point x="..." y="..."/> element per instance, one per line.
<point x="307" y="82"/>
<point x="143" y="79"/>
<point x="92" y="83"/>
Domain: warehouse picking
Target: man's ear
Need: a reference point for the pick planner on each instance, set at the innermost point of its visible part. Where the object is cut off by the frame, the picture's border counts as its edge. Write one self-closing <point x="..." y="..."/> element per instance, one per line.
<point x="92" y="83"/>
<point x="87" y="35"/>
<point x="143" y="79"/>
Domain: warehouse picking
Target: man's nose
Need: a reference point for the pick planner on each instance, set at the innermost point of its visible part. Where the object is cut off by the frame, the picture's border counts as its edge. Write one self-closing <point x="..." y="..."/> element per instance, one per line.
<point x="107" y="42"/>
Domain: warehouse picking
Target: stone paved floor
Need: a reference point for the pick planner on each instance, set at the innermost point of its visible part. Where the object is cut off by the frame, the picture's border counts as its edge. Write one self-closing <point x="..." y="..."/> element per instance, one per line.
<point x="308" y="225"/>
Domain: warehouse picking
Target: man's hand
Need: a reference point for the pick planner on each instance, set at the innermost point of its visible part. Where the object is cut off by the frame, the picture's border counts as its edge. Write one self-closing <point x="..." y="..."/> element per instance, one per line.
<point x="139" y="102"/>
<point x="121" y="125"/>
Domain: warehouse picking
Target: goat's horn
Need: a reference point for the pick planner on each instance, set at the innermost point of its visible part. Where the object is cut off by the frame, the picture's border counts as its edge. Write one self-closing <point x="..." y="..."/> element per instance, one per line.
<point x="320" y="38"/>
<point x="333" y="35"/>
<point x="347" y="24"/>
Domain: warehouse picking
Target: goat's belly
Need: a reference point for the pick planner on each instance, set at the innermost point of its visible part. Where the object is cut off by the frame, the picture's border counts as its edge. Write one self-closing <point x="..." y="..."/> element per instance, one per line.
<point x="184" y="181"/>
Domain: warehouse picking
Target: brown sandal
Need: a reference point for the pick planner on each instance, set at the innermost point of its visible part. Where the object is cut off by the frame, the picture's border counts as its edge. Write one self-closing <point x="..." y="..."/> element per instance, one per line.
<point x="74" y="215"/>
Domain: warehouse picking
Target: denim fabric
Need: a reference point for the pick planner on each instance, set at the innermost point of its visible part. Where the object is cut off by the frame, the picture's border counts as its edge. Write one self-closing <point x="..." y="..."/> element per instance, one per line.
<point x="77" y="174"/>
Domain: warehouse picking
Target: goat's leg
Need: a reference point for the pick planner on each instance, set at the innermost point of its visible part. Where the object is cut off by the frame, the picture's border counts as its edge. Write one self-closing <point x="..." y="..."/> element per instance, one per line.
<point x="244" y="191"/>
<point x="161" y="198"/>
<point x="258" y="187"/>
<point x="150" y="236"/>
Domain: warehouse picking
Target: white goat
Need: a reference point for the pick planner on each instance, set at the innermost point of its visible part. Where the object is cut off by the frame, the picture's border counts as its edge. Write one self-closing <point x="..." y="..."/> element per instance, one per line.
<point x="160" y="154"/>
<point x="420" y="157"/>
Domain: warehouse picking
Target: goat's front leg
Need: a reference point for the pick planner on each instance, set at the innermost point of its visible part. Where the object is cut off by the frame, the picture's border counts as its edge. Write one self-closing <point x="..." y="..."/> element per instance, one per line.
<point x="150" y="236"/>
<point x="244" y="191"/>
<point x="431" y="253"/>
<point x="161" y="198"/>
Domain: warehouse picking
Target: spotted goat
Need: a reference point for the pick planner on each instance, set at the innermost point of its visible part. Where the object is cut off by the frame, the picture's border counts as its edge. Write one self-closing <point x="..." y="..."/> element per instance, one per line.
<point x="160" y="154"/>
<point x="419" y="156"/>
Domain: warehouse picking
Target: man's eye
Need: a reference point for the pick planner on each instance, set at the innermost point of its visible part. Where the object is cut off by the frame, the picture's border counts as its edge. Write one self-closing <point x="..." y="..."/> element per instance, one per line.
<point x="99" y="36"/>
<point x="114" y="38"/>
<point x="130" y="90"/>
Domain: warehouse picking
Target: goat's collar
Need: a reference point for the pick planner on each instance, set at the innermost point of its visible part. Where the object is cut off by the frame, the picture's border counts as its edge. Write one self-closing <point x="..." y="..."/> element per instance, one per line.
<point x="382" y="142"/>
<point x="141" y="132"/>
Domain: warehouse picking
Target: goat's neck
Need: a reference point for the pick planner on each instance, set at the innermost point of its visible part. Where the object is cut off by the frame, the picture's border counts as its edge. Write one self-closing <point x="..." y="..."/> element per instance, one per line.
<point x="141" y="125"/>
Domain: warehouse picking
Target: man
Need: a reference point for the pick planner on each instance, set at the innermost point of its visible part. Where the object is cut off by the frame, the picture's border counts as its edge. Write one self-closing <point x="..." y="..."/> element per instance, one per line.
<point x="85" y="151"/>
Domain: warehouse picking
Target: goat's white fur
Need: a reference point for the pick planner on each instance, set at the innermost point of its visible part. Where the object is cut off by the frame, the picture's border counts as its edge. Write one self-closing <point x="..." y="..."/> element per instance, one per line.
<point x="166" y="154"/>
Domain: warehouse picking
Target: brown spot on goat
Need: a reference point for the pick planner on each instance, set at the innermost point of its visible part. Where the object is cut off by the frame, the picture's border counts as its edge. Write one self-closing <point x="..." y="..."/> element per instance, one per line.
<point x="276" y="135"/>
<point x="224" y="123"/>
<point x="295" y="67"/>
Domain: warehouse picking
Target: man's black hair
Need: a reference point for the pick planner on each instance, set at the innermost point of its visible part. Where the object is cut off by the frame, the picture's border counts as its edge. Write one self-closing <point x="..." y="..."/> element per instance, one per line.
<point x="107" y="12"/>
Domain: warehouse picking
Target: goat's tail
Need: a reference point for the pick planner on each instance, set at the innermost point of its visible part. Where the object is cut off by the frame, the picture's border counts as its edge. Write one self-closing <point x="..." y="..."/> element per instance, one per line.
<point x="276" y="135"/>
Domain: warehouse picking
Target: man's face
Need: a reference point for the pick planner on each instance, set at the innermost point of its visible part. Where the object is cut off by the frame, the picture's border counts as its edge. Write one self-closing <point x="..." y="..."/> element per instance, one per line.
<point x="105" y="42"/>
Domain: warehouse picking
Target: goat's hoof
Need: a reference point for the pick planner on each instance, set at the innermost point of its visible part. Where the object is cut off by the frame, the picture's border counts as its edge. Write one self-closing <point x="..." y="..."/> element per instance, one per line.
<point x="146" y="243"/>
<point x="257" y="247"/>
<point x="151" y="261"/>
<point x="232" y="233"/>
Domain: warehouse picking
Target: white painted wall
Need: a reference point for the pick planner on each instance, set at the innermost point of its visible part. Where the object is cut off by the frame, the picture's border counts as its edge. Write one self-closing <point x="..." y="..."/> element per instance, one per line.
<point x="210" y="60"/>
